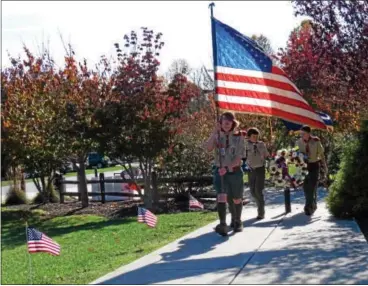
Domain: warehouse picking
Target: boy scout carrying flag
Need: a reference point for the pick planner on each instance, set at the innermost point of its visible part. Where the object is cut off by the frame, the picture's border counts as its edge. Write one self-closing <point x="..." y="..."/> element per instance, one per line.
<point x="256" y="154"/>
<point x="312" y="148"/>
<point x="228" y="144"/>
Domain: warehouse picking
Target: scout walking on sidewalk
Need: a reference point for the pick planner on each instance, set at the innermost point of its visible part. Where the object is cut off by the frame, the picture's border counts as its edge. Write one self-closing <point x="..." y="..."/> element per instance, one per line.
<point x="312" y="148"/>
<point x="256" y="154"/>
<point x="228" y="144"/>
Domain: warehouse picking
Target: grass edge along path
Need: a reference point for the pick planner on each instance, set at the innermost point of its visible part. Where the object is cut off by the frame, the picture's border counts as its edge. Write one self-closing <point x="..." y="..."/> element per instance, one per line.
<point x="91" y="246"/>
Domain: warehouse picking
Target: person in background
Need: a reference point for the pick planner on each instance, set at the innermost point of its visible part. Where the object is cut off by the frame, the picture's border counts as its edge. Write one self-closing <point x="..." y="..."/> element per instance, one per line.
<point x="256" y="154"/>
<point x="313" y="150"/>
<point x="228" y="142"/>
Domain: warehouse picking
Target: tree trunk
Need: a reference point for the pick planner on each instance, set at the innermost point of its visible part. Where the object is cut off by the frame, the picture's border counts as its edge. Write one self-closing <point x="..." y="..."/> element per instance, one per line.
<point x="49" y="187"/>
<point x="147" y="185"/>
<point x="82" y="186"/>
<point x="44" y="190"/>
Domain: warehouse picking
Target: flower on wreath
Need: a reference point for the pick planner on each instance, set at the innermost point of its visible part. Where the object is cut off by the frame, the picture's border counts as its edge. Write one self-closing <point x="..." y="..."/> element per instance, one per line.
<point x="279" y="168"/>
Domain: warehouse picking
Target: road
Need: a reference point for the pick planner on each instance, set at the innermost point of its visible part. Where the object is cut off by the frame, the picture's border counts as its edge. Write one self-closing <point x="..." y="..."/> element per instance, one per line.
<point x="31" y="190"/>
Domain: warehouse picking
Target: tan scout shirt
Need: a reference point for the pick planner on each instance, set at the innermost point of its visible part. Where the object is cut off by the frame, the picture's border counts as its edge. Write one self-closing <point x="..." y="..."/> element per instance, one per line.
<point x="313" y="149"/>
<point x="256" y="153"/>
<point x="230" y="147"/>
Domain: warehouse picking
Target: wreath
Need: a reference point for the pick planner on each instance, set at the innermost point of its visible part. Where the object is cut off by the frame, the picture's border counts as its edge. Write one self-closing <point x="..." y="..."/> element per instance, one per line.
<point x="278" y="168"/>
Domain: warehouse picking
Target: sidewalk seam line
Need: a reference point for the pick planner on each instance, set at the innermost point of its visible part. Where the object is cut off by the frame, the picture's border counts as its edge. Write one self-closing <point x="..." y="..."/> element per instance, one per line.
<point x="256" y="250"/>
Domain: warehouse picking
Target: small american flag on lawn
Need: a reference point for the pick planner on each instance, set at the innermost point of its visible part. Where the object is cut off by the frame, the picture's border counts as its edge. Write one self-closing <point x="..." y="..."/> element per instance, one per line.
<point x="146" y="217"/>
<point x="39" y="242"/>
<point x="194" y="203"/>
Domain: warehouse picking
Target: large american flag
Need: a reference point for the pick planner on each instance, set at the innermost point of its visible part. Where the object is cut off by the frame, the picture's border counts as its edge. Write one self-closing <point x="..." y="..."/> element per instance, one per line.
<point x="40" y="242"/>
<point x="194" y="203"/>
<point x="248" y="82"/>
<point x="146" y="217"/>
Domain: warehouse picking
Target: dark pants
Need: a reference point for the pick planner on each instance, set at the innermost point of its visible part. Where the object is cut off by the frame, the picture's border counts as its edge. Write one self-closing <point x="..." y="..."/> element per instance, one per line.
<point x="310" y="187"/>
<point x="233" y="188"/>
<point x="233" y="184"/>
<point x="256" y="180"/>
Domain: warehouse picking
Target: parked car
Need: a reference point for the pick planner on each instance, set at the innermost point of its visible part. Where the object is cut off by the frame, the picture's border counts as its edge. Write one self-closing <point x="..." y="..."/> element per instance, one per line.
<point x="30" y="176"/>
<point x="96" y="160"/>
<point x="68" y="167"/>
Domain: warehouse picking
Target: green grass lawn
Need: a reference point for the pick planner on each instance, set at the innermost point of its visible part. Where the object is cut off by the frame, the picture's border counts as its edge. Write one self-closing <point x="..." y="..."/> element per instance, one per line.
<point x="88" y="171"/>
<point x="91" y="246"/>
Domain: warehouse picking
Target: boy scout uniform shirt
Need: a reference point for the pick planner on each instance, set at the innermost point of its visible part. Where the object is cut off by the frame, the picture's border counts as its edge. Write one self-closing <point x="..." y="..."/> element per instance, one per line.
<point x="230" y="146"/>
<point x="256" y="156"/>
<point x="313" y="149"/>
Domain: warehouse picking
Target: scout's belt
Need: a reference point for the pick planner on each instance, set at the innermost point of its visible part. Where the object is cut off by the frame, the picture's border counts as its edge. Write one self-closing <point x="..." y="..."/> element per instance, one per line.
<point x="235" y="169"/>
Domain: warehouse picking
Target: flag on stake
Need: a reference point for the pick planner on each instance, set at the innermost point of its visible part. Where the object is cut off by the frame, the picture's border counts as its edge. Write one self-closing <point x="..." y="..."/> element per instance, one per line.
<point x="194" y="203"/>
<point x="40" y="242"/>
<point x="146" y="217"/>
<point x="247" y="81"/>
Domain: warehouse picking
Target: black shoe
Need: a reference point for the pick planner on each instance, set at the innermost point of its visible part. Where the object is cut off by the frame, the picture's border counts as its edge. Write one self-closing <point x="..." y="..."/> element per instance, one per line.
<point x="232" y="224"/>
<point x="222" y="229"/>
<point x="259" y="217"/>
<point x="238" y="226"/>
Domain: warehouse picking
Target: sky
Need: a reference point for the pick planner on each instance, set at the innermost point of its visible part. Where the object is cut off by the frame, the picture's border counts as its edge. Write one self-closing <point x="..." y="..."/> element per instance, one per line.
<point x="93" y="27"/>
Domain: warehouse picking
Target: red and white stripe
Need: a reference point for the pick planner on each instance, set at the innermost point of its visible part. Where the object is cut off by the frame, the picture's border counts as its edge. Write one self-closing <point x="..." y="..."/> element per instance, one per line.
<point x="270" y="94"/>
<point x="194" y="203"/>
<point x="46" y="244"/>
<point x="147" y="217"/>
<point x="150" y="219"/>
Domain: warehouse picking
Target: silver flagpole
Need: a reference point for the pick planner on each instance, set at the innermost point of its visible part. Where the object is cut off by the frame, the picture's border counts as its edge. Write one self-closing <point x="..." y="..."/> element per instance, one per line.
<point x="214" y="51"/>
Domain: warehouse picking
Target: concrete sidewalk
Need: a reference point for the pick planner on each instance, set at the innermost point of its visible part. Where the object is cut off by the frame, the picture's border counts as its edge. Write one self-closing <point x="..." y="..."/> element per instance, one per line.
<point x="281" y="249"/>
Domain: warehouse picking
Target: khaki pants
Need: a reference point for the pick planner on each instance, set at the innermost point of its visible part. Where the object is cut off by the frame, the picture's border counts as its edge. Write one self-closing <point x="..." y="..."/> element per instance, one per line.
<point x="256" y="180"/>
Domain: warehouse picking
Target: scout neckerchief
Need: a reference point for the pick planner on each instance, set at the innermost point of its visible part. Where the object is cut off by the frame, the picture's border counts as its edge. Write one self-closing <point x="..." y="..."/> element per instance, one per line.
<point x="227" y="141"/>
<point x="307" y="146"/>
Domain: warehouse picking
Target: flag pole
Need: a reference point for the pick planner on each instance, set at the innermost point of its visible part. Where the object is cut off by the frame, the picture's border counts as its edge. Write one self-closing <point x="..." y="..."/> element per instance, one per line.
<point x="29" y="256"/>
<point x="214" y="53"/>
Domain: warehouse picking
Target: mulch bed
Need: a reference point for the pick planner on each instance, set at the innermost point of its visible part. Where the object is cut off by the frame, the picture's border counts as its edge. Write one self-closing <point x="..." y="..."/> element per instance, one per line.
<point x="108" y="209"/>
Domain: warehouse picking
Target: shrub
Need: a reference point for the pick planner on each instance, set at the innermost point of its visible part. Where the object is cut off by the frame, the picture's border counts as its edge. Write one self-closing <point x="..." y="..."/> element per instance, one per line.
<point x="348" y="196"/>
<point x="54" y="197"/>
<point x="186" y="156"/>
<point x="16" y="196"/>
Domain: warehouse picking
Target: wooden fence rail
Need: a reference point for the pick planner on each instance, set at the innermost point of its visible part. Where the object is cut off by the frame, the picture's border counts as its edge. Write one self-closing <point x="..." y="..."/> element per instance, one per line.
<point x="192" y="181"/>
<point x="61" y="185"/>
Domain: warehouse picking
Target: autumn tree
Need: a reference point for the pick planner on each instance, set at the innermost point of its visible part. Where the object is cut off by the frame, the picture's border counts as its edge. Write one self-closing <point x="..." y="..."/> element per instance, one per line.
<point x="327" y="58"/>
<point x="30" y="118"/>
<point x="84" y="92"/>
<point x="144" y="121"/>
<point x="179" y="66"/>
<point x="263" y="42"/>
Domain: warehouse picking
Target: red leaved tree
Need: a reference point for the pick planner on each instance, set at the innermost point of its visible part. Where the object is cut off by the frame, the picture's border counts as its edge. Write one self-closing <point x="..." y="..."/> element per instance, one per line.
<point x="30" y="118"/>
<point x="84" y="92"/>
<point x="144" y="121"/>
<point x="327" y="58"/>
